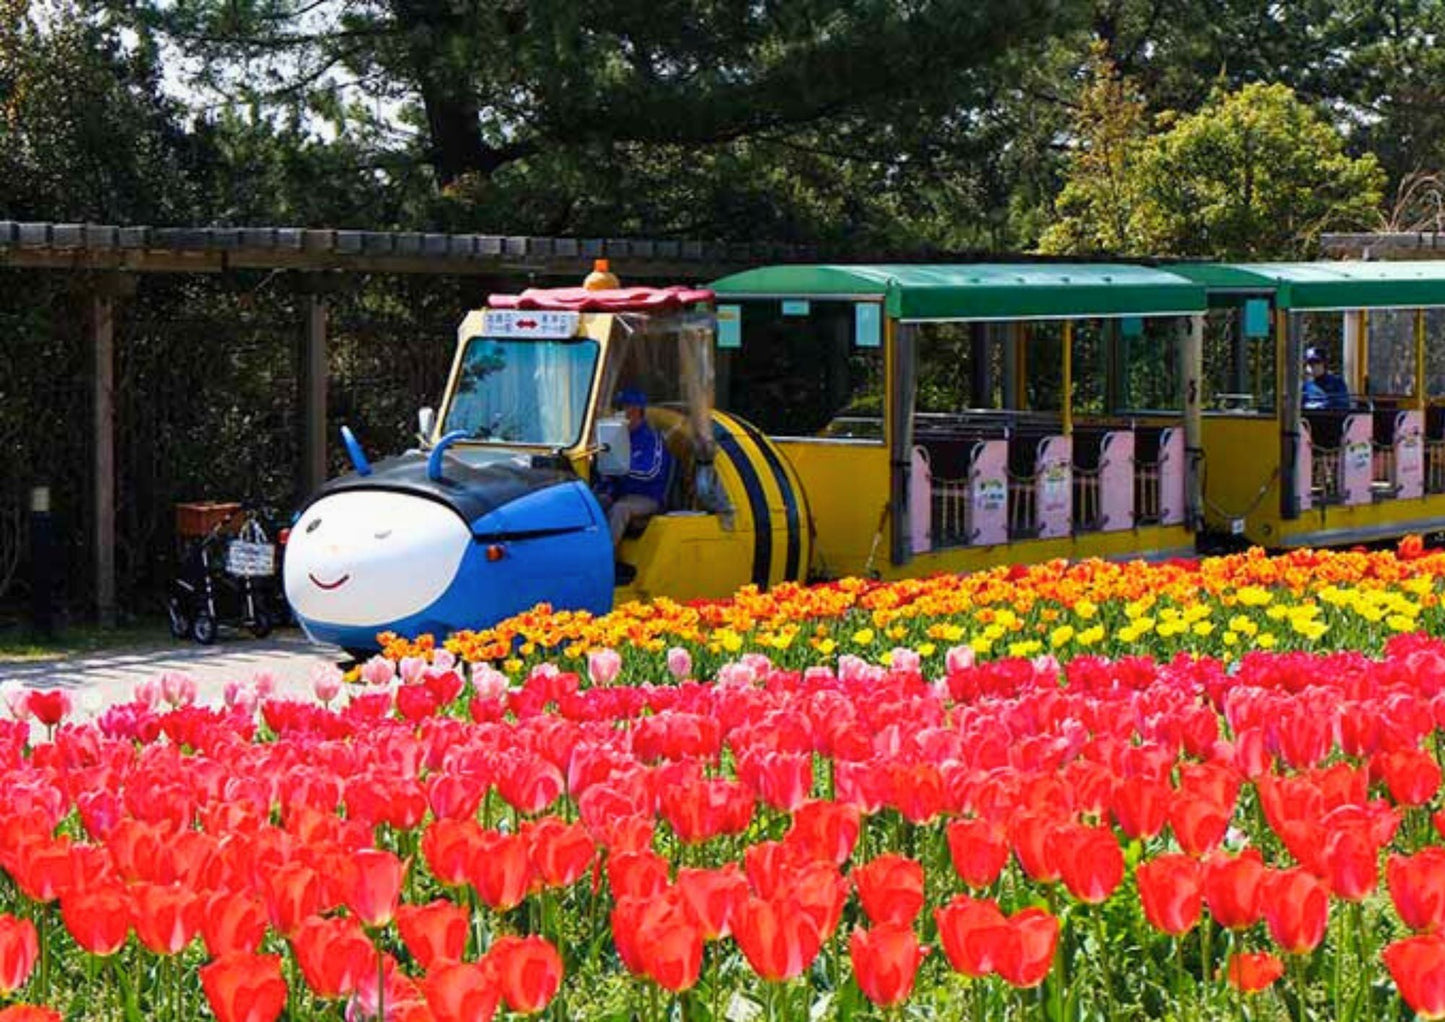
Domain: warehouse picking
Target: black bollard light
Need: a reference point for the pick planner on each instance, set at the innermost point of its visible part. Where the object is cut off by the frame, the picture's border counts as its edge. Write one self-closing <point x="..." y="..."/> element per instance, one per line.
<point x="42" y="562"/>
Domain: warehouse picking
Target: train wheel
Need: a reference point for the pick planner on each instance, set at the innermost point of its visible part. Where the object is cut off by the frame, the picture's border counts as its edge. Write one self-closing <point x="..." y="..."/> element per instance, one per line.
<point x="203" y="629"/>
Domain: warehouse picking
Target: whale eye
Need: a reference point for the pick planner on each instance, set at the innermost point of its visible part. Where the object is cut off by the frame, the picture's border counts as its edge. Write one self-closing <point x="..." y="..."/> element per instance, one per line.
<point x="315" y="524"/>
<point x="383" y="534"/>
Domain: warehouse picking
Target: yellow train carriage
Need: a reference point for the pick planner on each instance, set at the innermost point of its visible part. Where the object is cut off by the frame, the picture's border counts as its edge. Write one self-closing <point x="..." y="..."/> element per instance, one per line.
<point x="1282" y="470"/>
<point x="947" y="418"/>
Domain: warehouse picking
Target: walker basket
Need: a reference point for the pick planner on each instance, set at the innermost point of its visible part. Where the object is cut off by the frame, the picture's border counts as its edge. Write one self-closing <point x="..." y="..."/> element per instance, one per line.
<point x="250" y="560"/>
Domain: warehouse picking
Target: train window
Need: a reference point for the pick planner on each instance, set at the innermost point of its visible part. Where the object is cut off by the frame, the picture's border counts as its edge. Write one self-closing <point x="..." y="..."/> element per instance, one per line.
<point x="961" y="366"/>
<point x="1239" y="370"/>
<point x="802" y="373"/>
<point x="1435" y="352"/>
<point x="1392" y="352"/>
<point x="1148" y="367"/>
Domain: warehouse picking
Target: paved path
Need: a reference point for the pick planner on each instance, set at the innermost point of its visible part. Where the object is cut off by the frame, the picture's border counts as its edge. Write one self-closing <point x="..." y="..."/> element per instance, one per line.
<point x="102" y="679"/>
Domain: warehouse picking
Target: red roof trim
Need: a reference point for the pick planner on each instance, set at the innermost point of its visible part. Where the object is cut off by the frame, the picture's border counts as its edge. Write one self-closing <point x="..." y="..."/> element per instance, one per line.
<point x="626" y="299"/>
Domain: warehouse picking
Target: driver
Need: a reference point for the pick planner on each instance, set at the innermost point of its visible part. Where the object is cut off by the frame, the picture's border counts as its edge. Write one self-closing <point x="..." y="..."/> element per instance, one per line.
<point x="639" y="494"/>
<point x="1322" y="388"/>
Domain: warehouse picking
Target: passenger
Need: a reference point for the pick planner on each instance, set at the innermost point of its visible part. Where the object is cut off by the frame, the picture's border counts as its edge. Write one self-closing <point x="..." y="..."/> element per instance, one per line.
<point x="640" y="493"/>
<point x="1322" y="388"/>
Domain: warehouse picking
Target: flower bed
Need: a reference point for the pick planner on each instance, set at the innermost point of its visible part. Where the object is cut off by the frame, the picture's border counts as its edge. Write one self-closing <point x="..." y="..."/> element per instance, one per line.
<point x="1129" y="838"/>
<point x="1220" y="607"/>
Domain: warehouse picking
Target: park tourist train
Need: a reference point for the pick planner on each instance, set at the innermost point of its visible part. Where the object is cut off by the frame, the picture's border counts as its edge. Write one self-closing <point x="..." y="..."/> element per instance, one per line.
<point x="603" y="444"/>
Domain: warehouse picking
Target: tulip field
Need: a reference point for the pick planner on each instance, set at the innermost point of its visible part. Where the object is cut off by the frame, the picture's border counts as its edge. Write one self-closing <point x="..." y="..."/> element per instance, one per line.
<point x="1185" y="791"/>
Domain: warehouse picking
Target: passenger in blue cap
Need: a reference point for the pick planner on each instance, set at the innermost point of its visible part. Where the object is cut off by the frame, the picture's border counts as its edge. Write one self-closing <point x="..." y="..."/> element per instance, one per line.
<point x="1322" y="388"/>
<point x="641" y="492"/>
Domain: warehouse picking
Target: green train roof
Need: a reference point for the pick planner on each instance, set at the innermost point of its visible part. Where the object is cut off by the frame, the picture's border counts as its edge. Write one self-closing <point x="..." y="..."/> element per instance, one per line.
<point x="1342" y="285"/>
<point x="980" y="291"/>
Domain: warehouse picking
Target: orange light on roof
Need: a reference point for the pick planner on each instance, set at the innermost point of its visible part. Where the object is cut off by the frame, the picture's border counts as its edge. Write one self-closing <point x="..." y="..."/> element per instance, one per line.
<point x="496" y="552"/>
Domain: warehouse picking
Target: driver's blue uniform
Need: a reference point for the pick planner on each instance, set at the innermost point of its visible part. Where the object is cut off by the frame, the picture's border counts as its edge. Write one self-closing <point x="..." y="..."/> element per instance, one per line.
<point x="642" y="491"/>
<point x="1328" y="391"/>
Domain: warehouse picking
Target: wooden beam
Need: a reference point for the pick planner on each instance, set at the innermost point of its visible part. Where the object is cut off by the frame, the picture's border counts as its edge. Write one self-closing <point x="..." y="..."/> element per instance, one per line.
<point x="102" y="323"/>
<point x="314" y="379"/>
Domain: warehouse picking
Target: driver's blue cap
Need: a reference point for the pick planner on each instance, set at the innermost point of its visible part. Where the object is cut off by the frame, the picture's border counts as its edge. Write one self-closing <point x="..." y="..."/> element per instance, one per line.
<point x="630" y="396"/>
<point x="1314" y="355"/>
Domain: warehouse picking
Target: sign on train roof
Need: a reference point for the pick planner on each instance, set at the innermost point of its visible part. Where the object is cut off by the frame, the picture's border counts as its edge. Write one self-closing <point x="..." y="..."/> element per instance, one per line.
<point x="1328" y="285"/>
<point x="981" y="291"/>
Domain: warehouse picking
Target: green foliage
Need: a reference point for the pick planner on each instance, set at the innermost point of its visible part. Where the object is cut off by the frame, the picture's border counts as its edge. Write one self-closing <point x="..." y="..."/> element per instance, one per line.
<point x="1253" y="174"/>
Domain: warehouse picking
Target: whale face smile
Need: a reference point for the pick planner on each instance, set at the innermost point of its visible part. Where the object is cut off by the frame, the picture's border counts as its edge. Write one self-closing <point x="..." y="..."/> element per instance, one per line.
<point x="363" y="558"/>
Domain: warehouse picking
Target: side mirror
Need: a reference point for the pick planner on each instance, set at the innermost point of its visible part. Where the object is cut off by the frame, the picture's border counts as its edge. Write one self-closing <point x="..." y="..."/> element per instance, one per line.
<point x="426" y="422"/>
<point x="614" y="447"/>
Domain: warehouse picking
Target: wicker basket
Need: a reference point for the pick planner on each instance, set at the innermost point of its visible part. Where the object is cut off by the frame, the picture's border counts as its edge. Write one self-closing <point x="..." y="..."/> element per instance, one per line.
<point x="195" y="520"/>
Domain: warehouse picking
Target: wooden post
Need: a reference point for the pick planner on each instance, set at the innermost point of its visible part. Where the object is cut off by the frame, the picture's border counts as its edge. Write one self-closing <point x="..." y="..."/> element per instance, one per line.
<point x="314" y="374"/>
<point x="102" y="326"/>
<point x="1421" y="379"/>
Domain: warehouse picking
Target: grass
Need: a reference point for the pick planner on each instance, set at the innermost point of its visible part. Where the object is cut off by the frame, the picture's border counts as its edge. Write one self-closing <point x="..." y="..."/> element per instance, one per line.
<point x="19" y="643"/>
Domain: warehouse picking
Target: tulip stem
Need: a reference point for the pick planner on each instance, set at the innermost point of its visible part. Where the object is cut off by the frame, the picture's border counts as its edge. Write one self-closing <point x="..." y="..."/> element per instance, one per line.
<point x="1357" y="914"/>
<point x="1107" y="988"/>
<point x="1204" y="951"/>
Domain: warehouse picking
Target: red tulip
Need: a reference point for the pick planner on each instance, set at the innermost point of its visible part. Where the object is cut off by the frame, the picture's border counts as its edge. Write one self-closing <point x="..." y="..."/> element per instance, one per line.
<point x="49" y="705"/>
<point x="1032" y="837"/>
<point x="1297" y="909"/>
<point x="43" y="868"/>
<point x="636" y="874"/>
<point x="782" y="780"/>
<point x="778" y="939"/>
<point x="821" y="891"/>
<point x="1417" y="887"/>
<point x="500" y="869"/>
<point x="166" y="918"/>
<point x="98" y="918"/>
<point x="826" y="830"/>
<point x="374" y="889"/>
<point x="668" y="944"/>
<point x="415" y="702"/>
<point x="232" y="923"/>
<point x="19" y="949"/>
<point x="448" y="846"/>
<point x="293" y="892"/>
<point x="561" y="852"/>
<point x="967" y="928"/>
<point x="29" y="1013"/>
<point x="528" y="970"/>
<point x="434" y="933"/>
<point x="1412" y="776"/>
<point x="1141" y="806"/>
<point x="1232" y="888"/>
<point x="454" y="796"/>
<point x="1418" y="967"/>
<point x="978" y="850"/>
<point x="1090" y="862"/>
<point x="1198" y="824"/>
<point x="891" y="889"/>
<point x="713" y="896"/>
<point x="1352" y="863"/>
<point x="1025" y="950"/>
<point x="1251" y="973"/>
<point x="530" y="784"/>
<point x="1171" y="892"/>
<point x="885" y="961"/>
<point x="244" y="988"/>
<point x="334" y="955"/>
<point x="462" y="992"/>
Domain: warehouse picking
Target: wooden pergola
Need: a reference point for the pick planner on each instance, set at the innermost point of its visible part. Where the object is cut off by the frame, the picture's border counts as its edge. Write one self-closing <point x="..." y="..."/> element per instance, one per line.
<point x="112" y="258"/>
<point x="1384" y="245"/>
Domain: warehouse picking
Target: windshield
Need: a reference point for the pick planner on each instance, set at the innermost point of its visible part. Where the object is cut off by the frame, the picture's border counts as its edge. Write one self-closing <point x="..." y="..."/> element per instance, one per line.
<point x="523" y="391"/>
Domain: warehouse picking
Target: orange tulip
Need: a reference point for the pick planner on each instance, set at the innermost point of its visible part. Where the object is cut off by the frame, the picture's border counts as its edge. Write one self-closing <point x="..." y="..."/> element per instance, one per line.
<point x="19" y="948"/>
<point x="462" y="992"/>
<point x="528" y="970"/>
<point x="885" y="962"/>
<point x="435" y="933"/>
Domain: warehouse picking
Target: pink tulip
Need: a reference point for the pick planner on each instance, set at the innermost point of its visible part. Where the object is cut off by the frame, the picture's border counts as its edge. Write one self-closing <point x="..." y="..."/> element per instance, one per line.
<point x="326" y="682"/>
<point x="679" y="663"/>
<point x="177" y="688"/>
<point x="17" y="699"/>
<point x="378" y="671"/>
<point x="958" y="658"/>
<point x="240" y="697"/>
<point x="412" y="668"/>
<point x="735" y="676"/>
<point x="905" y="660"/>
<point x="443" y="660"/>
<point x="603" y="666"/>
<point x="489" y="682"/>
<point x="148" y="692"/>
<point x="265" y="684"/>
